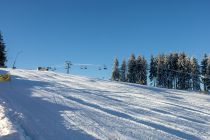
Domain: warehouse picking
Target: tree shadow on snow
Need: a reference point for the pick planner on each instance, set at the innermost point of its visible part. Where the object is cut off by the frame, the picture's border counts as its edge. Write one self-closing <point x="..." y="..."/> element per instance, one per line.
<point x="127" y="116"/>
<point x="41" y="118"/>
<point x="155" y="89"/>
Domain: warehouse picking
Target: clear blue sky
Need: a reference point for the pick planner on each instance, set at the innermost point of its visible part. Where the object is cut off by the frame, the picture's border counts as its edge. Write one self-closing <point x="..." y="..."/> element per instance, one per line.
<point x="96" y="31"/>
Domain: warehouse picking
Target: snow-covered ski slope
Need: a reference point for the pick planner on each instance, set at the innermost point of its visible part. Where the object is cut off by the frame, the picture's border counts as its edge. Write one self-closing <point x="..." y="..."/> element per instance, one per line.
<point x="50" y="106"/>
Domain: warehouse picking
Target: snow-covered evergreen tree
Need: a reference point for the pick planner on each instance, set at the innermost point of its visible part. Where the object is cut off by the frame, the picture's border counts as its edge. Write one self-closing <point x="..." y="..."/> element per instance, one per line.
<point x="181" y="75"/>
<point x="160" y="71"/>
<point x="195" y="70"/>
<point x="153" y="70"/>
<point x="123" y="71"/>
<point x="3" y="58"/>
<point x="188" y="74"/>
<point x="167" y="70"/>
<point x="208" y="75"/>
<point x="144" y="71"/>
<point x="141" y="70"/>
<point x="115" y="72"/>
<point x="170" y="66"/>
<point x="174" y="69"/>
<point x="167" y="80"/>
<point x="131" y="76"/>
<point x="181" y="68"/>
<point x="204" y="64"/>
<point x="184" y="72"/>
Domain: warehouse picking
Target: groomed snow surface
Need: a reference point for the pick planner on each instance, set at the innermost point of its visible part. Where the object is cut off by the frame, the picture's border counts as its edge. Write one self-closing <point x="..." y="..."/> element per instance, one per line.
<point x="39" y="105"/>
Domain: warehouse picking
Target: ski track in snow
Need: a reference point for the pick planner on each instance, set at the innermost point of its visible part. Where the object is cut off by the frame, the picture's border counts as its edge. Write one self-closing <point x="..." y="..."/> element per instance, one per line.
<point x="54" y="106"/>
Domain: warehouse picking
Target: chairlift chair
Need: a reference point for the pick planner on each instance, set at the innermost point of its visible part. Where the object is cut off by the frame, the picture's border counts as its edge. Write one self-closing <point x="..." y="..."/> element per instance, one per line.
<point x="105" y="68"/>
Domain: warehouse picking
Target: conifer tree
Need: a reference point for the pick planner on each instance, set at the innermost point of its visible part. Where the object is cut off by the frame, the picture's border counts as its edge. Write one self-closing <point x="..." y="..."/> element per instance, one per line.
<point x="144" y="72"/>
<point x="204" y="64"/>
<point x="160" y="71"/>
<point x="131" y="76"/>
<point x="115" y="72"/>
<point x="195" y="74"/>
<point x="184" y="70"/>
<point x="181" y="68"/>
<point x="3" y="58"/>
<point x="167" y="71"/>
<point x="174" y="69"/>
<point x="170" y="70"/>
<point x="208" y="75"/>
<point x="123" y="71"/>
<point x="141" y="70"/>
<point x="153" y="70"/>
<point x="188" y="74"/>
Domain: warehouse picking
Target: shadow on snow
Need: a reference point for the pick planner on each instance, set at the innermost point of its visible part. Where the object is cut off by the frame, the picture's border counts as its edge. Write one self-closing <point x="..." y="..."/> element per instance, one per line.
<point x="45" y="125"/>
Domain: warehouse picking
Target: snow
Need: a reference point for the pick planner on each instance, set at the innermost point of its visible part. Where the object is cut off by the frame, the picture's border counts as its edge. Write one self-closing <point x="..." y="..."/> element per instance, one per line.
<point x="3" y="71"/>
<point x="50" y="106"/>
<point x="8" y="130"/>
<point x="5" y="124"/>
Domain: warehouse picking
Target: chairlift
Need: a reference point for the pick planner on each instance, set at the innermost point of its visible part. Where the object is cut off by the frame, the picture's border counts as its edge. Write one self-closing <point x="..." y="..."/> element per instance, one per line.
<point x="83" y="67"/>
<point x="105" y="68"/>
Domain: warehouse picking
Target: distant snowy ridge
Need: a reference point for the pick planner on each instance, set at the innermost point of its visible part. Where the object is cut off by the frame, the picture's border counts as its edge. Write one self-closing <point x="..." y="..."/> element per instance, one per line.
<point x="52" y="106"/>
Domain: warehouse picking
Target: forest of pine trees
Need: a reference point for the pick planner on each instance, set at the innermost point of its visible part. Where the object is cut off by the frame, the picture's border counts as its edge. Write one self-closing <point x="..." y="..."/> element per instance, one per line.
<point x="173" y="71"/>
<point x="3" y="58"/>
<point x="133" y="71"/>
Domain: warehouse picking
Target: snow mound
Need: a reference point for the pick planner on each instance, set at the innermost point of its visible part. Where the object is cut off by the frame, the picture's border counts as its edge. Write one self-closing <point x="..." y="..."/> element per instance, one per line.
<point x="52" y="106"/>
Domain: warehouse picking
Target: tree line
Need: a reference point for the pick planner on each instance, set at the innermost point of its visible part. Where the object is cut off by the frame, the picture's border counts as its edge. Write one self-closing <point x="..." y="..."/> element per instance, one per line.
<point x="173" y="71"/>
<point x="3" y="58"/>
